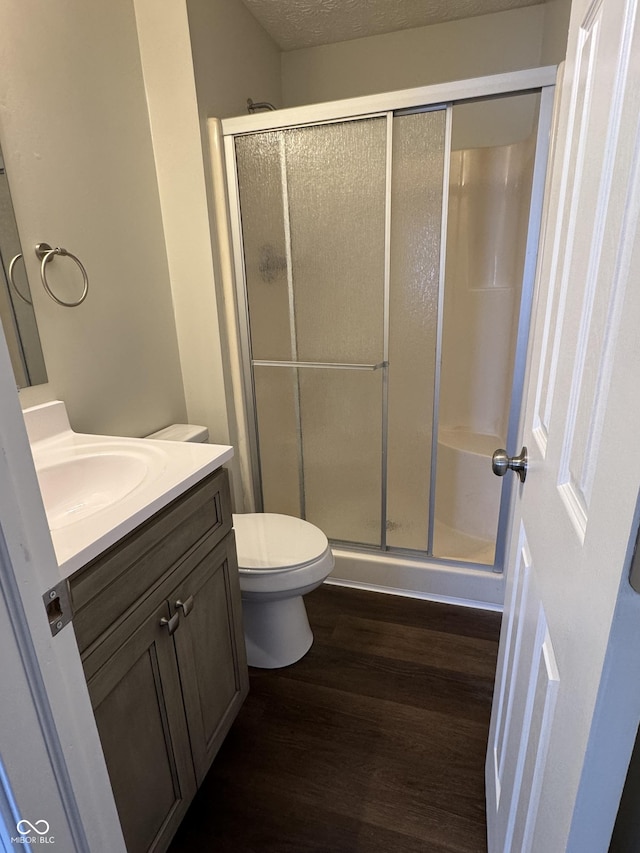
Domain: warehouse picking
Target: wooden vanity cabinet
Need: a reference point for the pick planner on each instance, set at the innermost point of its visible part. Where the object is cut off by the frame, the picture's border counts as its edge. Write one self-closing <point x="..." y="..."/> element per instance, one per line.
<point x="164" y="660"/>
<point x="137" y="702"/>
<point x="206" y="651"/>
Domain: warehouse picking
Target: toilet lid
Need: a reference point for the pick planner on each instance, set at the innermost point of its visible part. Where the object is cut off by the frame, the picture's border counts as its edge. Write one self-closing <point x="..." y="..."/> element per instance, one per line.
<point x="269" y="541"/>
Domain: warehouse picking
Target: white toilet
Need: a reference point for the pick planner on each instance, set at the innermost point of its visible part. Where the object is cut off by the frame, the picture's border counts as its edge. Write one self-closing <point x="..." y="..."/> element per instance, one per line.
<point x="280" y="559"/>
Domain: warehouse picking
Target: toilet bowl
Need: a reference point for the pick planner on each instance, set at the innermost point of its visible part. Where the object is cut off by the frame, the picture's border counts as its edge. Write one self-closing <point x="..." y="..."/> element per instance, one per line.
<point x="280" y="559"/>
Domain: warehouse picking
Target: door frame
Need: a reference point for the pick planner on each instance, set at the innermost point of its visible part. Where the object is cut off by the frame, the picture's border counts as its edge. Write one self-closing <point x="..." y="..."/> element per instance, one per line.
<point x="510" y="82"/>
<point x="46" y="713"/>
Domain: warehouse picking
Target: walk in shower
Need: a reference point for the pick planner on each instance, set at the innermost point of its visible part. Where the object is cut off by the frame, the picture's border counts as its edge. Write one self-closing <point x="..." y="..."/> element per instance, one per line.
<point x="384" y="264"/>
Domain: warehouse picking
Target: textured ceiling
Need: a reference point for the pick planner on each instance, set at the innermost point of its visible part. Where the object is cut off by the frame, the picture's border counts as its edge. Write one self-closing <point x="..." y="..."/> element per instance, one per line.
<point x="305" y="23"/>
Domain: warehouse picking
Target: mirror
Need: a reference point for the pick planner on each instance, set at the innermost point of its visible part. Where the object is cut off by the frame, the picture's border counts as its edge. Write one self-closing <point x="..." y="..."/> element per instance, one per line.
<point x="16" y="310"/>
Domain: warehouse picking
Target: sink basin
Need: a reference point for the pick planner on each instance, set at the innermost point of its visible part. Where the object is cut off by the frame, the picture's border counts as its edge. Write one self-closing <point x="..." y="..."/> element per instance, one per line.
<point x="98" y="488"/>
<point x="90" y="479"/>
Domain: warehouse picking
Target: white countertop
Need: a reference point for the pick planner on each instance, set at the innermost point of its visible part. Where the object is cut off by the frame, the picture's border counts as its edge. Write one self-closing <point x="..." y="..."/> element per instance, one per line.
<point x="141" y="476"/>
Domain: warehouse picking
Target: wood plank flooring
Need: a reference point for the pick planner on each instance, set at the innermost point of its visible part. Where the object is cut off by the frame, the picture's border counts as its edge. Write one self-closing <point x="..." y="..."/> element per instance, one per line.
<point x="373" y="743"/>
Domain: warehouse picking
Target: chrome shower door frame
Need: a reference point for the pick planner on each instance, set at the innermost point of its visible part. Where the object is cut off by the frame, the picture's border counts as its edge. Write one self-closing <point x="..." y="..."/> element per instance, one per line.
<point x="441" y="96"/>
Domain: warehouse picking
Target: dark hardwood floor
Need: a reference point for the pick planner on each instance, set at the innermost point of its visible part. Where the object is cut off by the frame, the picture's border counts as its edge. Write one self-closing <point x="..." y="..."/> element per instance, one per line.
<point x="373" y="743"/>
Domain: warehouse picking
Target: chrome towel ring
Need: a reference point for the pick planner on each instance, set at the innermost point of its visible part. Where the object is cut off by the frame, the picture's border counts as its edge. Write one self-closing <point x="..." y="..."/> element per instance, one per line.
<point x="45" y="253"/>
<point x="12" y="280"/>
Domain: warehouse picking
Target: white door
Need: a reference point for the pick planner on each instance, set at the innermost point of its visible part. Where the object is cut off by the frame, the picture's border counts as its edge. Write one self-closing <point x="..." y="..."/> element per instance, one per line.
<point x="567" y="696"/>
<point x="54" y="786"/>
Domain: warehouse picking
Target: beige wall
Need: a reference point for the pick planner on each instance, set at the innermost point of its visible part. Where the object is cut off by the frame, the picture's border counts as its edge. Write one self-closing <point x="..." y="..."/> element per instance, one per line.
<point x="473" y="47"/>
<point x="10" y="246"/>
<point x="233" y="58"/>
<point x="190" y="58"/>
<point x="165" y="49"/>
<point x="556" y="27"/>
<point x="77" y="143"/>
<point x="85" y="175"/>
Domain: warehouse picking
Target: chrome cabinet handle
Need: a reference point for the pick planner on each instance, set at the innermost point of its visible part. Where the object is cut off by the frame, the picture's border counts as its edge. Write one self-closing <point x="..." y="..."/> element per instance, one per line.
<point x="187" y="606"/>
<point x="501" y="463"/>
<point x="170" y="624"/>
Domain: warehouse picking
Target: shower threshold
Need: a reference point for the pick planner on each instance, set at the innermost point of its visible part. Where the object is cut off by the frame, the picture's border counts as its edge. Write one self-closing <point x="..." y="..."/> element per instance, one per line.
<point x="455" y="582"/>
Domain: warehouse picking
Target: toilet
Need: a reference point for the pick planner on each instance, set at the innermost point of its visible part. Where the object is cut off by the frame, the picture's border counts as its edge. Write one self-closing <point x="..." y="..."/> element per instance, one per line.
<point x="280" y="559"/>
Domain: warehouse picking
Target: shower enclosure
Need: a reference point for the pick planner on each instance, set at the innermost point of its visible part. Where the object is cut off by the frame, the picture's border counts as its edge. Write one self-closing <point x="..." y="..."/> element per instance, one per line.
<point x="385" y="254"/>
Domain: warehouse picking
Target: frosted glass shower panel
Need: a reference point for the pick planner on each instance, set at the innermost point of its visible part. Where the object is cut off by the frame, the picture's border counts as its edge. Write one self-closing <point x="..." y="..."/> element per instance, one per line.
<point x="276" y="396"/>
<point x="336" y="183"/>
<point x="341" y="418"/>
<point x="416" y="228"/>
<point x="261" y="171"/>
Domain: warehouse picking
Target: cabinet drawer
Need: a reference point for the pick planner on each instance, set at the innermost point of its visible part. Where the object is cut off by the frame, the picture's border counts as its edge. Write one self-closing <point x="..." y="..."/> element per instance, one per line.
<point x="107" y="588"/>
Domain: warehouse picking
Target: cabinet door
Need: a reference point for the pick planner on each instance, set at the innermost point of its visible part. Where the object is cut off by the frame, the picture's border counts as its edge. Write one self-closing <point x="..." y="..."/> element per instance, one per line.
<point x="210" y="649"/>
<point x="138" y="708"/>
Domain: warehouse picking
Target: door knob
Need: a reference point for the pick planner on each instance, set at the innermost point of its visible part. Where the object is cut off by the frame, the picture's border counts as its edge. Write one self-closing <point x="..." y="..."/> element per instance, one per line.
<point x="500" y="463"/>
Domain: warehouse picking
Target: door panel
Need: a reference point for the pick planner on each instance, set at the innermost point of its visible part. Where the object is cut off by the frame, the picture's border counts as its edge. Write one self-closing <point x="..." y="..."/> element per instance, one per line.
<point x="341" y="435"/>
<point x="564" y="229"/>
<point x="277" y="404"/>
<point x="419" y="160"/>
<point x="313" y="224"/>
<point x="526" y="689"/>
<point x="578" y="504"/>
<point x="336" y="185"/>
<point x="138" y="708"/>
<point x="261" y="180"/>
<point x="210" y="649"/>
<point x="543" y="690"/>
<point x="516" y="660"/>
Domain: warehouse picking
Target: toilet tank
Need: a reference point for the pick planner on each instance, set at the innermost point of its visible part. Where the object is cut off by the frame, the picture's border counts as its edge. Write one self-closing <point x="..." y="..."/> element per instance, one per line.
<point x="182" y="432"/>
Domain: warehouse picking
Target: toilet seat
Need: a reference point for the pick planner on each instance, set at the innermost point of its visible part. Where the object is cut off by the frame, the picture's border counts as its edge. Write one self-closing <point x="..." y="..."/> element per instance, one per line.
<point x="269" y="543"/>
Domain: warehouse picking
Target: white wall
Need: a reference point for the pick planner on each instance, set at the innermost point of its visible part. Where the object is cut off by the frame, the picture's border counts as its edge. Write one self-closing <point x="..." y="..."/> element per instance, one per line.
<point x="78" y="149"/>
<point x="486" y="44"/>
<point x="233" y="58"/>
<point x="9" y="246"/>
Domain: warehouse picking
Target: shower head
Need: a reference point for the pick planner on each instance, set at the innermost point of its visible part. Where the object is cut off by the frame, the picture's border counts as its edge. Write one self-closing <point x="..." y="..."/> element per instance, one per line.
<point x="255" y="106"/>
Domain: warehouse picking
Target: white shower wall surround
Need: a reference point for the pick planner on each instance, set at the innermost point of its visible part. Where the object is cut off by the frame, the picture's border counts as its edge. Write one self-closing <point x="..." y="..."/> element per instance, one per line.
<point x="380" y="370"/>
<point x="489" y="203"/>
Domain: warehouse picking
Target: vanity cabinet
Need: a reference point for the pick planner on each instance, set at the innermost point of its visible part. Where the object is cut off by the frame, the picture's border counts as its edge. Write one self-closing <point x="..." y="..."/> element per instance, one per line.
<point x="158" y="622"/>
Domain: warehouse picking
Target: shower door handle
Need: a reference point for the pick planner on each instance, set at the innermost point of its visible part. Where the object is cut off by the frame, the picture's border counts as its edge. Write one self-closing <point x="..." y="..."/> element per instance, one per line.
<point x="501" y="463"/>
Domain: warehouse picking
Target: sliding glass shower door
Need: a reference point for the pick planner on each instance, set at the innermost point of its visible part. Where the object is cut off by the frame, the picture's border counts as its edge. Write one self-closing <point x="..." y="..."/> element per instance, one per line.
<point x="388" y="265"/>
<point x="344" y="363"/>
<point x="419" y="165"/>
